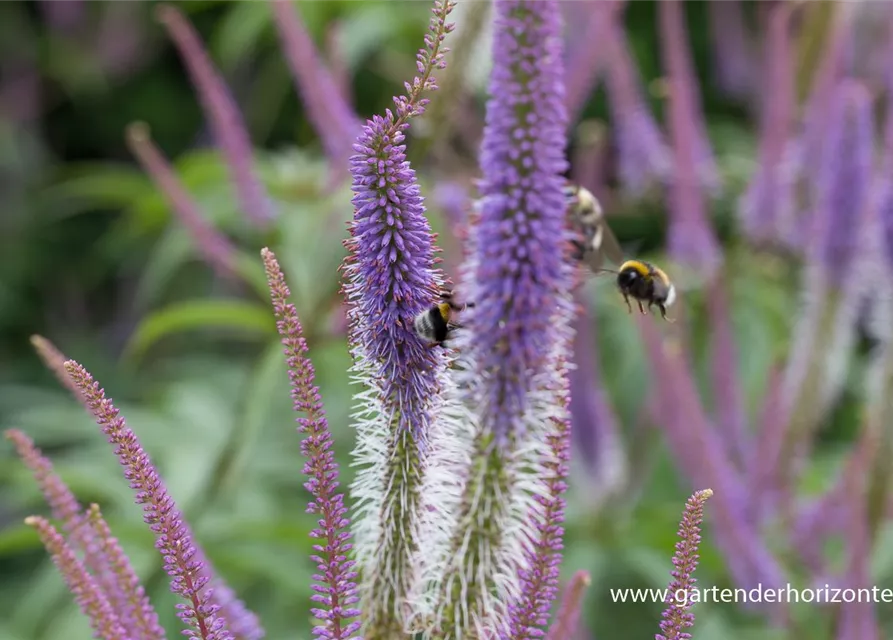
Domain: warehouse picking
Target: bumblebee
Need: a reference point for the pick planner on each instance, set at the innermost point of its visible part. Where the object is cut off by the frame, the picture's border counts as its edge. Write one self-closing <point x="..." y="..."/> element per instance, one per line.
<point x="595" y="241"/>
<point x="435" y="325"/>
<point x="645" y="283"/>
<point x="636" y="279"/>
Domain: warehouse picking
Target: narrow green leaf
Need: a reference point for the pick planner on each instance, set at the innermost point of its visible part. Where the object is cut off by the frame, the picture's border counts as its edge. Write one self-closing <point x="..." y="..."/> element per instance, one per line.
<point x="250" y="318"/>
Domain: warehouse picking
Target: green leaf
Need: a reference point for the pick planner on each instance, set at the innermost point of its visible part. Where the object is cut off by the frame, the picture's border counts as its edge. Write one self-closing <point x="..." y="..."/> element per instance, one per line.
<point x="258" y="401"/>
<point x="239" y="32"/>
<point x="91" y="186"/>
<point x="250" y="318"/>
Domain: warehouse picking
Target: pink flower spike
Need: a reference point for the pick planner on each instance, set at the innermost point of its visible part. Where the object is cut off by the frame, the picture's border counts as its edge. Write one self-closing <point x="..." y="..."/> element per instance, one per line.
<point x="213" y="246"/>
<point x="567" y="620"/>
<point x="676" y="617"/>
<point x="183" y="561"/>
<point x="88" y="595"/>
<point x="334" y="586"/>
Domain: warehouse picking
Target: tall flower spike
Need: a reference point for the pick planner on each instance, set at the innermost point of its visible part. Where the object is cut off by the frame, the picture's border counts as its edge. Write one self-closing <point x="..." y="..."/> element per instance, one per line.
<point x="332" y="117"/>
<point x="390" y="278"/>
<point x="182" y="559"/>
<point x="586" y="60"/>
<point x="817" y="116"/>
<point x="835" y="283"/>
<point x="643" y="155"/>
<point x="676" y="617"/>
<point x="213" y="246"/>
<point x="567" y="620"/>
<point x="729" y="38"/>
<point x="767" y="207"/>
<point x="539" y="575"/>
<point x="110" y="567"/>
<point x="88" y="595"/>
<point x="335" y="588"/>
<point x="691" y="239"/>
<point x="220" y="108"/>
<point x="136" y="608"/>
<point x="512" y="370"/>
<point x="54" y="360"/>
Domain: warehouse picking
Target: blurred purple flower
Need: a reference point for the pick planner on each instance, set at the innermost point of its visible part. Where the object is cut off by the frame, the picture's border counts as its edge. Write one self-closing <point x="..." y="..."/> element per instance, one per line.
<point x="817" y="118"/>
<point x="732" y="58"/>
<point x="539" y="574"/>
<point x="512" y="370"/>
<point x="767" y="207"/>
<point x="213" y="246"/>
<point x="844" y="182"/>
<point x="698" y="450"/>
<point x="226" y="121"/>
<point x="858" y="618"/>
<point x="676" y="617"/>
<point x="327" y="108"/>
<point x="643" y="154"/>
<point x="520" y="274"/>
<point x="586" y="54"/>
<point x="335" y="588"/>
<point x="567" y="620"/>
<point x="595" y="425"/>
<point x="729" y="410"/>
<point x="691" y="240"/>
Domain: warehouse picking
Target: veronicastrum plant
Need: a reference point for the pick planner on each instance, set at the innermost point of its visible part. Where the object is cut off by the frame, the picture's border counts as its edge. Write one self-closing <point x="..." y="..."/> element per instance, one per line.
<point x="456" y="528"/>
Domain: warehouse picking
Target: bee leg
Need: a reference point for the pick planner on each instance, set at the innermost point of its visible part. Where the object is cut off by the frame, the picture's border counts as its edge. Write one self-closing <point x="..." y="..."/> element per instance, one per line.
<point x="628" y="305"/>
<point x="663" y="313"/>
<point x="641" y="308"/>
<point x="579" y="250"/>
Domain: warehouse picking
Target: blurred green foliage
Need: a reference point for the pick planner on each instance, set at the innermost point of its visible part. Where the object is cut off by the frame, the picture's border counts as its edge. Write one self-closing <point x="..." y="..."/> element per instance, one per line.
<point x="91" y="257"/>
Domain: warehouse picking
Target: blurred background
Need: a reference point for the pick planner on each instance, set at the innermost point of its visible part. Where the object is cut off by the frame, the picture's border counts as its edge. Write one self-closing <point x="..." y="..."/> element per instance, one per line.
<point x="134" y="249"/>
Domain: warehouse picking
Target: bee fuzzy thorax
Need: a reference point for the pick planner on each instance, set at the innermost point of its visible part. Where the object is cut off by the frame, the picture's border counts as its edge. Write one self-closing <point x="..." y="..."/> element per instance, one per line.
<point x="435" y="324"/>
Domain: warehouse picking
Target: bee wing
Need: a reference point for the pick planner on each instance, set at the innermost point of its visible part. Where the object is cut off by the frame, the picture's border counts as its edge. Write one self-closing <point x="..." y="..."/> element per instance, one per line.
<point x="609" y="246"/>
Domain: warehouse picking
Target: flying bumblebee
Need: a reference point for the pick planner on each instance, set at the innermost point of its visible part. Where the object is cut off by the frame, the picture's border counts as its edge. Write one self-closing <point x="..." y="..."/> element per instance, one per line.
<point x="435" y="324"/>
<point x="637" y="279"/>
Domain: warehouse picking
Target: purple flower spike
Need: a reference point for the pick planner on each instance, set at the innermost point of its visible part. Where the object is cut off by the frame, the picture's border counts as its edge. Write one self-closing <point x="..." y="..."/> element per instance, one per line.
<point x="391" y="278"/>
<point x="676" y="617"/>
<point x="691" y="239"/>
<point x="587" y="57"/>
<point x="767" y="208"/>
<point x="845" y="180"/>
<point x="220" y="108"/>
<point x="511" y="373"/>
<point x="110" y="568"/>
<point x="87" y="593"/>
<point x="520" y="274"/>
<point x="135" y="611"/>
<point x="335" y="588"/>
<point x="644" y="156"/>
<point x="182" y="559"/>
<point x="335" y="121"/>
<point x="730" y="40"/>
<point x="817" y="116"/>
